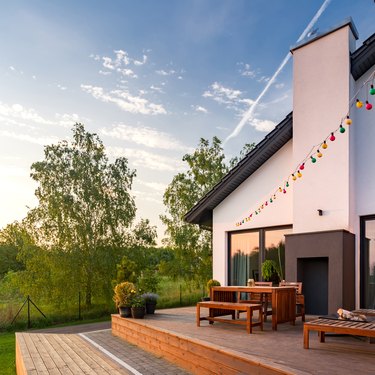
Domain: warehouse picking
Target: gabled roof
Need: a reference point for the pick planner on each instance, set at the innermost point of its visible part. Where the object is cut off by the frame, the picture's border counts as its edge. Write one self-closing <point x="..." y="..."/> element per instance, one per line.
<point x="361" y="61"/>
<point x="201" y="213"/>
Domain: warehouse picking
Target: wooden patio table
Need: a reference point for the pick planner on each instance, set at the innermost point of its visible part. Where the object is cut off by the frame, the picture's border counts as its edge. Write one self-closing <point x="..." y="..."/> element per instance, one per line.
<point x="283" y="300"/>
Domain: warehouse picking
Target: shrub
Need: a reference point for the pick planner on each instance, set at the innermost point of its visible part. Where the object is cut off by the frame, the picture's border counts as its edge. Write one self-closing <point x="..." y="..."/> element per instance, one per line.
<point x="124" y="293"/>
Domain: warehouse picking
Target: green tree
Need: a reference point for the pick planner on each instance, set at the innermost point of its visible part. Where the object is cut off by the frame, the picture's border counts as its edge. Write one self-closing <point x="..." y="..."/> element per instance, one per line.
<point x="84" y="212"/>
<point x="12" y="238"/>
<point x="192" y="245"/>
<point x="245" y="150"/>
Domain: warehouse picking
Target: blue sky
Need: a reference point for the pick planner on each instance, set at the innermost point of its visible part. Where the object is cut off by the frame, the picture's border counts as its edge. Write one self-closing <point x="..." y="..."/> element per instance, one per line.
<point x="150" y="77"/>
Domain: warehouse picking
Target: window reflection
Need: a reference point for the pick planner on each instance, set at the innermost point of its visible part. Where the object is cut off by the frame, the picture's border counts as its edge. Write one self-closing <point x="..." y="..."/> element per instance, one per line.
<point x="275" y="247"/>
<point x="368" y="259"/>
<point x="244" y="260"/>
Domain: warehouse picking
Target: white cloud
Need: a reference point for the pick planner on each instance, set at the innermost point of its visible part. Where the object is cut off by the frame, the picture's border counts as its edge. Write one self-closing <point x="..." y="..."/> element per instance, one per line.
<point x="147" y="197"/>
<point x="17" y="111"/>
<point x="163" y="72"/>
<point x="12" y="68"/>
<point x="63" y="88"/>
<point x="125" y="101"/>
<point x="138" y="62"/>
<point x="157" y="186"/>
<point x="158" y="89"/>
<point x="13" y="171"/>
<point x="279" y="85"/>
<point x="120" y="63"/>
<point x="144" y="159"/>
<point x="246" y="71"/>
<point x="145" y="136"/>
<point x="263" y="79"/>
<point x="34" y="77"/>
<point x="262" y="125"/>
<point x="68" y="120"/>
<point x="232" y="98"/>
<point x="104" y="73"/>
<point x="29" y="138"/>
<point x="198" y="108"/>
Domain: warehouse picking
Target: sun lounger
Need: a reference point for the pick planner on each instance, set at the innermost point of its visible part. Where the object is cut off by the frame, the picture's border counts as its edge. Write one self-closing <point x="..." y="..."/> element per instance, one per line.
<point x="346" y="327"/>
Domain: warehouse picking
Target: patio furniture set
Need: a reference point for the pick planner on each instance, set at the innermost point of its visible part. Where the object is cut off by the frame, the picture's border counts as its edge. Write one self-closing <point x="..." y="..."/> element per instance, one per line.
<point x="284" y="303"/>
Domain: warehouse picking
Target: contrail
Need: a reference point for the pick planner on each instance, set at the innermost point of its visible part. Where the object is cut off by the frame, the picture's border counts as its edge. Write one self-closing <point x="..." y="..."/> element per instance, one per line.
<point x="249" y="114"/>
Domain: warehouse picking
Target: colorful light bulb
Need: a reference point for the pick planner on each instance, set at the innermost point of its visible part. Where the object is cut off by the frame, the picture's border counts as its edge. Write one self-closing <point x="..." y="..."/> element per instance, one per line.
<point x="271" y="200"/>
<point x="274" y="196"/>
<point x="313" y="160"/>
<point x="332" y="137"/>
<point x="287" y="184"/>
<point x="284" y="191"/>
<point x="266" y="203"/>
<point x="280" y="190"/>
<point x="302" y="166"/>
<point x="299" y="174"/>
<point x="372" y="90"/>
<point x="348" y="120"/>
<point x="324" y="145"/>
<point x="342" y="129"/>
<point x="368" y="105"/>
<point x="319" y="154"/>
<point x="294" y="177"/>
<point x="359" y="104"/>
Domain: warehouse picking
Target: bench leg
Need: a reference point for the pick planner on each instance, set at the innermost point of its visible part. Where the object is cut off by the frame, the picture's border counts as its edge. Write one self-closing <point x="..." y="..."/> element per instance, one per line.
<point x="249" y="320"/>
<point x="198" y="315"/>
<point x="305" y="337"/>
<point x="261" y="319"/>
<point x="322" y="336"/>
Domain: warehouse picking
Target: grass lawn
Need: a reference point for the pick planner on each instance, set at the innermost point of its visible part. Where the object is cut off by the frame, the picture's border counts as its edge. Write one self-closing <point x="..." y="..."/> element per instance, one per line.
<point x="7" y="354"/>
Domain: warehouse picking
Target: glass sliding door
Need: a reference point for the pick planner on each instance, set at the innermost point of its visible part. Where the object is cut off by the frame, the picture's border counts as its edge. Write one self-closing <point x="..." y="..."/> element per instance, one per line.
<point x="244" y="257"/>
<point x="274" y="247"/>
<point x="249" y="248"/>
<point x="368" y="262"/>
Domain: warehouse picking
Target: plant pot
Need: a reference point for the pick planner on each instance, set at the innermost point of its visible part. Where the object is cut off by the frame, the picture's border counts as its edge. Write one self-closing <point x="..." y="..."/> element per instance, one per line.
<point x="125" y="311"/>
<point x="205" y="299"/>
<point x="138" y="312"/>
<point x="150" y="307"/>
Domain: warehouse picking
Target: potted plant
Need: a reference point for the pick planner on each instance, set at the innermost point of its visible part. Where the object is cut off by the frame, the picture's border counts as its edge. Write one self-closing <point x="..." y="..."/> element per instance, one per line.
<point x="209" y="285"/>
<point x="138" y="309"/>
<point x="150" y="301"/>
<point x="123" y="297"/>
<point x="270" y="272"/>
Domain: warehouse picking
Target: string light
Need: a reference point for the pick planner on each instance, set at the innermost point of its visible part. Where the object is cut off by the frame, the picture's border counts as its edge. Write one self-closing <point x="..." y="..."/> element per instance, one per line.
<point x="295" y="175"/>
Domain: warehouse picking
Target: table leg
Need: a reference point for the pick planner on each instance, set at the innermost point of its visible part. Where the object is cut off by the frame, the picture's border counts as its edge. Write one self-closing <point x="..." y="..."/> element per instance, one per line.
<point x="198" y="315"/>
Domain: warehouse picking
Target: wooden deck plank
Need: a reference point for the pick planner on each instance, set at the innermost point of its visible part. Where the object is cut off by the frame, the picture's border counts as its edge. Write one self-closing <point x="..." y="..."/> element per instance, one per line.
<point x="64" y="354"/>
<point x="102" y="360"/>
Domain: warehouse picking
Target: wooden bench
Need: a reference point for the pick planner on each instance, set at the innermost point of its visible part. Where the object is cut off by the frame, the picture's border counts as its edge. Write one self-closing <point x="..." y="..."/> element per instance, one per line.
<point x="249" y="308"/>
<point x="344" y="327"/>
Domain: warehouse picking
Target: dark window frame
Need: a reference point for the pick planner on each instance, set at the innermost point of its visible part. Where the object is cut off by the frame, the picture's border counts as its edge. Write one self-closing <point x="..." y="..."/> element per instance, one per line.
<point x="362" y="261"/>
<point x="262" y="240"/>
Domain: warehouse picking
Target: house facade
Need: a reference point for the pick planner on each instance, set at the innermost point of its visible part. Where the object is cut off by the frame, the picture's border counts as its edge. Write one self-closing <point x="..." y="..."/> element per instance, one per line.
<point x="305" y="195"/>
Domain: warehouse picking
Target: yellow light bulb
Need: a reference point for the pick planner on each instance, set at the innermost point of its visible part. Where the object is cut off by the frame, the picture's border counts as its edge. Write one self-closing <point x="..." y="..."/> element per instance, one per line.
<point x="348" y="120"/>
<point x="294" y="177"/>
<point x="299" y="174"/>
<point x="324" y="145"/>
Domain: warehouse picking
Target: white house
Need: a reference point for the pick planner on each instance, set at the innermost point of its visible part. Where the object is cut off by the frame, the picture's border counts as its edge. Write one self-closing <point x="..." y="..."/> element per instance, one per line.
<point x="322" y="222"/>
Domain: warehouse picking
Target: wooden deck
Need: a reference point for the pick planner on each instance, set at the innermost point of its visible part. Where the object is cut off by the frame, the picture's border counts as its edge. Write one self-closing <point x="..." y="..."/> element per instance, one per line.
<point x="227" y="349"/>
<point x="38" y="353"/>
<point x="210" y="349"/>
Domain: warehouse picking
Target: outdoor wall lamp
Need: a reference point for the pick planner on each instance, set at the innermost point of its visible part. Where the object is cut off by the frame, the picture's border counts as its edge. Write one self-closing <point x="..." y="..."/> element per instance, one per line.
<point x="320" y="212"/>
